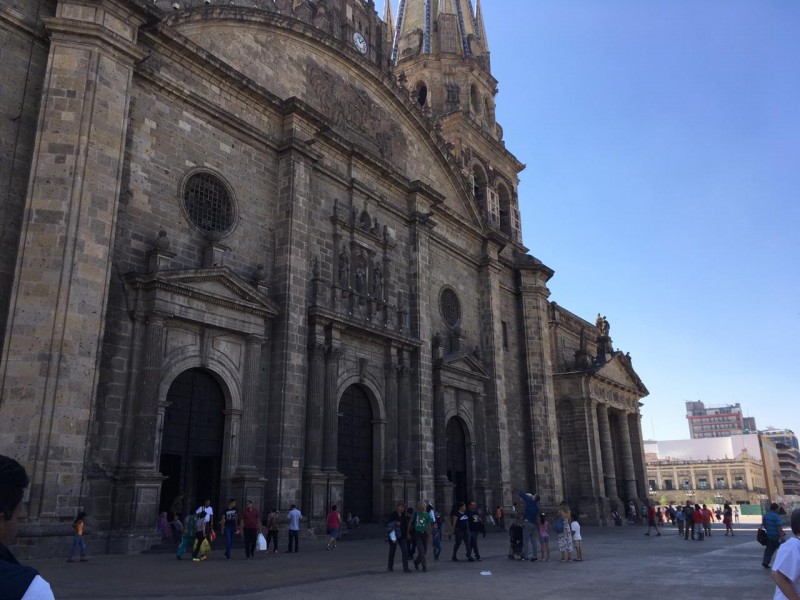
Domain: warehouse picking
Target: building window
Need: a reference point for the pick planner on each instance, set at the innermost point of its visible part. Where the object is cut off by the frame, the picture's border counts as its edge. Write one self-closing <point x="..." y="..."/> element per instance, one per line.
<point x="702" y="484"/>
<point x="668" y="484"/>
<point x="208" y="203"/>
<point x="450" y="307"/>
<point x="505" y="334"/>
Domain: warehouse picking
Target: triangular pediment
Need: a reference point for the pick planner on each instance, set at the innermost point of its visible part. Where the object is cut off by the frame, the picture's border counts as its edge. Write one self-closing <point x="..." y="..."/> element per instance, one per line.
<point x="218" y="285"/>
<point x="620" y="371"/>
<point x="465" y="364"/>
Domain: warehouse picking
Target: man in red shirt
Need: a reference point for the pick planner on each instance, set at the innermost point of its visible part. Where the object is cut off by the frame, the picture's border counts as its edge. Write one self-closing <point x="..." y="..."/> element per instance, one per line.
<point x="651" y="520"/>
<point x="698" y="517"/>
<point x="708" y="518"/>
<point x="250" y="523"/>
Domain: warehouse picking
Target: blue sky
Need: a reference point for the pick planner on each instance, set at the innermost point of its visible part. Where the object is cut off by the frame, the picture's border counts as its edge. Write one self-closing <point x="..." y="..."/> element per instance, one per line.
<point x="662" y="144"/>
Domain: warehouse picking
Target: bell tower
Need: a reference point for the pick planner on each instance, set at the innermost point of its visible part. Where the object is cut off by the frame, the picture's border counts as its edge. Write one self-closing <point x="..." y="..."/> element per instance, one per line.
<point x="441" y="53"/>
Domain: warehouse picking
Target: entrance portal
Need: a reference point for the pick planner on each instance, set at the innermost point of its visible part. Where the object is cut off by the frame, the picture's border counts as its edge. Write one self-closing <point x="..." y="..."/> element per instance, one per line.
<point x="457" y="460"/>
<point x="354" y="457"/>
<point x="191" y="447"/>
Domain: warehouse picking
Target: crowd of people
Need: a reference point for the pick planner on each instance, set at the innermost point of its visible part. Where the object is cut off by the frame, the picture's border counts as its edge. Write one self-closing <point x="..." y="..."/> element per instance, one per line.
<point x="413" y="531"/>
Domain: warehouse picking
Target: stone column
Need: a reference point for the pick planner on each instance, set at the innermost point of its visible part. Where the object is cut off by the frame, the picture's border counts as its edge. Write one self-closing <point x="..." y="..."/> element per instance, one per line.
<point x="316" y="407"/>
<point x="144" y="439"/>
<point x="331" y="419"/>
<point x="629" y="475"/>
<point x="607" y="450"/>
<point x="481" y="460"/>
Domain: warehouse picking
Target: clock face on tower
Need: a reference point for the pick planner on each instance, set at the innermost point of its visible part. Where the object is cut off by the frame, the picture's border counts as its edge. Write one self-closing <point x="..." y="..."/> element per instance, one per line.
<point x="359" y="42"/>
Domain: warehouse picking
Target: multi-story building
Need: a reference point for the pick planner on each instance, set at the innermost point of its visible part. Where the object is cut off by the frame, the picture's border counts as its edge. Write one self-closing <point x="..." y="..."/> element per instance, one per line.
<point x="714" y="421"/>
<point x="788" y="456"/>
<point x="271" y="249"/>
<point x="739" y="469"/>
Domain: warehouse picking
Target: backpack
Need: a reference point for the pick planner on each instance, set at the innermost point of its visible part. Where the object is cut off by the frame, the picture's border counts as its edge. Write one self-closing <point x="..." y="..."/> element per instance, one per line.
<point x="558" y="525"/>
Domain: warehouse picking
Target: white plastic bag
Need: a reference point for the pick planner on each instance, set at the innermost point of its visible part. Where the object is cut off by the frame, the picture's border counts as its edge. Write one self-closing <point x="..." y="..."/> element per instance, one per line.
<point x="261" y="542"/>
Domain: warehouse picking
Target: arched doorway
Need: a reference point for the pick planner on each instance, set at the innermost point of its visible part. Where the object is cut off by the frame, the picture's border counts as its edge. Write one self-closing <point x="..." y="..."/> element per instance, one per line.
<point x="457" y="459"/>
<point x="191" y="446"/>
<point x="354" y="456"/>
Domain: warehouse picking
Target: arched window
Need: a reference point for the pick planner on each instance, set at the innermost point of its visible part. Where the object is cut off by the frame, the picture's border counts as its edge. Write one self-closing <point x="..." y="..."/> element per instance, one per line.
<point x="422" y="93"/>
<point x="474" y="99"/>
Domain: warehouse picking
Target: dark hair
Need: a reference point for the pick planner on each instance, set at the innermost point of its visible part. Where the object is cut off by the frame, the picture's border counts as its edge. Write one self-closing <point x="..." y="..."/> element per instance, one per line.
<point x="13" y="481"/>
<point x="333" y="507"/>
<point x="80" y="517"/>
<point x="796" y="521"/>
<point x="773" y="506"/>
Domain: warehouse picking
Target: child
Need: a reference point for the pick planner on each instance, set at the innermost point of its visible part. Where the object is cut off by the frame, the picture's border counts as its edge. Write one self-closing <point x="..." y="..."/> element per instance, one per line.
<point x="163" y="527"/>
<point x="77" y="540"/>
<point x="576" y="539"/>
<point x="544" y="536"/>
<point x="437" y="538"/>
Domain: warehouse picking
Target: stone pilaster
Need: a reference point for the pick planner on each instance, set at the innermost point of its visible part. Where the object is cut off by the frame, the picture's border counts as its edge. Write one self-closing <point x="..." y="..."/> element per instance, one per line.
<point x="57" y="308"/>
<point x="540" y="395"/>
<point x="144" y="439"/>
<point x="494" y="448"/>
<point x="331" y="419"/>
<point x="390" y="383"/>
<point x="444" y="489"/>
<point x="404" y="412"/>
<point x="316" y="407"/>
<point x="247" y="482"/>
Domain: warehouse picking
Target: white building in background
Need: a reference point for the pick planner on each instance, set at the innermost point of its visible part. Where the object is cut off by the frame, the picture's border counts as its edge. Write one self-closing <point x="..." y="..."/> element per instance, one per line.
<point x="743" y="469"/>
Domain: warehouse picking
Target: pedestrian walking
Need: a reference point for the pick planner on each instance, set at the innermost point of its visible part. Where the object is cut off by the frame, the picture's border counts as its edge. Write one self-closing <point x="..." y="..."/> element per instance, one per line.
<point x="201" y="529"/>
<point x="294" y="517"/>
<point x="652" y="517"/>
<point x="708" y="518"/>
<point x="459" y="526"/>
<point x="699" y="518"/>
<point x="230" y="526"/>
<point x="530" y="525"/>
<point x="771" y="522"/>
<point x="437" y="537"/>
<point x="786" y="571"/>
<point x="162" y="526"/>
<point x="688" y="512"/>
<point x="16" y="581"/>
<point x="398" y="536"/>
<point x="727" y="519"/>
<point x="272" y="530"/>
<point x="333" y="522"/>
<point x="680" y="519"/>
<point x="421" y="526"/>
<point x="188" y="536"/>
<point x="78" y="544"/>
<point x="249" y="524"/>
<point x="476" y="528"/>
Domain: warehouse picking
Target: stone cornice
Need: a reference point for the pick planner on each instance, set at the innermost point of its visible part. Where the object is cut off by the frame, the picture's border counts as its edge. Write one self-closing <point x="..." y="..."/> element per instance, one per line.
<point x="345" y="325"/>
<point x="72" y="30"/>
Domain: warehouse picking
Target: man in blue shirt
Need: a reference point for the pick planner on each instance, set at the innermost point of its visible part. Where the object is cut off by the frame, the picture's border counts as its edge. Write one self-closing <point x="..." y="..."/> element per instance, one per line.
<point x="773" y="525"/>
<point x="530" y="525"/>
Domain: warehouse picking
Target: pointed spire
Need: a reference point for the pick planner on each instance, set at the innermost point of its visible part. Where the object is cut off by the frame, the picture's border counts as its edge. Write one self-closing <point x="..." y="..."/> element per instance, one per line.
<point x="479" y="26"/>
<point x="389" y="20"/>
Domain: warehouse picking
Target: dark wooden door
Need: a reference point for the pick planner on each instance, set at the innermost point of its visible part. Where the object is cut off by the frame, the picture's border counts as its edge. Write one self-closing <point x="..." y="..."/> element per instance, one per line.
<point x="354" y="458"/>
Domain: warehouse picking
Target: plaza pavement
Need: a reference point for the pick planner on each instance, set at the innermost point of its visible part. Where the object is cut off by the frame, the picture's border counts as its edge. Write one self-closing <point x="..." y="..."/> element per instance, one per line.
<point x="620" y="563"/>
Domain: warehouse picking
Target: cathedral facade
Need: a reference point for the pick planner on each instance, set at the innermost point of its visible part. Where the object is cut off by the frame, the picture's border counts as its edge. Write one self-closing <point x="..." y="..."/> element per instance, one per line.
<point x="272" y="250"/>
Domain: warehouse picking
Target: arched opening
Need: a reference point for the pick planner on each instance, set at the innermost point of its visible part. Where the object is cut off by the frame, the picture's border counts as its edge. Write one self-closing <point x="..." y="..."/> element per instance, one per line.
<point x="422" y="94"/>
<point x="479" y="184"/>
<point x="457" y="459"/>
<point x="191" y="445"/>
<point x="506" y="214"/>
<point x="354" y="456"/>
<point x="475" y="99"/>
